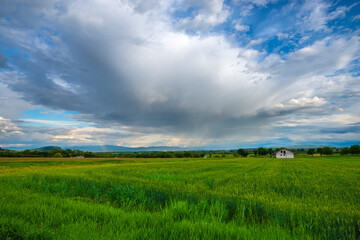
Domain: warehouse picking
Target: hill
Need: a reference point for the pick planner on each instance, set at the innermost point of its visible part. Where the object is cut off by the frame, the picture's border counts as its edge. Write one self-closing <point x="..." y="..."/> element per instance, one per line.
<point x="47" y="148"/>
<point x="114" y="148"/>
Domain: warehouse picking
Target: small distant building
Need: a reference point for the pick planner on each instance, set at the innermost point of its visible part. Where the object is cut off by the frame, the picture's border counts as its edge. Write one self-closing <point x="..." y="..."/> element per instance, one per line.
<point x="284" y="153"/>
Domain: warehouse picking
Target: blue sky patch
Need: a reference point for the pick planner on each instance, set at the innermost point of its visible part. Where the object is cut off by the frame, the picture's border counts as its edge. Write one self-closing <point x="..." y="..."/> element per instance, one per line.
<point x="50" y="118"/>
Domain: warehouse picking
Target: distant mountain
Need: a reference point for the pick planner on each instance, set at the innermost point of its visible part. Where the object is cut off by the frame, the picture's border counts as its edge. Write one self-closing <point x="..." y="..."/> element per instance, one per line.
<point x="108" y="148"/>
<point x="91" y="148"/>
<point x="47" y="148"/>
<point x="114" y="148"/>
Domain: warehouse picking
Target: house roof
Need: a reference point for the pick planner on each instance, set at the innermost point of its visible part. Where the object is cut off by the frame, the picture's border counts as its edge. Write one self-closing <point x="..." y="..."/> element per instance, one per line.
<point x="283" y="149"/>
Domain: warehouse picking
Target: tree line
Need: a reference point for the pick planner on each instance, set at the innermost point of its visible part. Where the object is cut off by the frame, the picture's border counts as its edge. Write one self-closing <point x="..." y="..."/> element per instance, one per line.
<point x="257" y="152"/>
<point x="86" y="154"/>
<point x="354" y="150"/>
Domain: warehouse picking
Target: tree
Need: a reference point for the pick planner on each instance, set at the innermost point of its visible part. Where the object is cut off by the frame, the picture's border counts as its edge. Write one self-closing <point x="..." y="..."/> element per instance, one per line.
<point x="242" y="152"/>
<point x="187" y="154"/>
<point x="88" y="154"/>
<point x="58" y="155"/>
<point x="68" y="153"/>
<point x="27" y="153"/>
<point x="311" y="151"/>
<point x="320" y="150"/>
<point x="327" y="151"/>
<point x="355" y="149"/>
<point x="262" y="151"/>
<point x="256" y="152"/>
<point x="345" y="151"/>
<point x="270" y="151"/>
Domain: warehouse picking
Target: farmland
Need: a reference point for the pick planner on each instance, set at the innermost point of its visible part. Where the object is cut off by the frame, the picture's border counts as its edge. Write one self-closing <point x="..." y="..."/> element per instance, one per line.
<point x="219" y="198"/>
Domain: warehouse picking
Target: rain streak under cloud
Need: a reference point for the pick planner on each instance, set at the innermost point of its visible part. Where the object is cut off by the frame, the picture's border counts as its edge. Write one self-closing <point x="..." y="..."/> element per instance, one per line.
<point x="179" y="73"/>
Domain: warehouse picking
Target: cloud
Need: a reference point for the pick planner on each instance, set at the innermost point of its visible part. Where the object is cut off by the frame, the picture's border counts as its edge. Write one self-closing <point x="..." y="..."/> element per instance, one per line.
<point x="282" y="36"/>
<point x="337" y="129"/>
<point x="8" y="128"/>
<point x="208" y="15"/>
<point x="50" y="122"/>
<point x="357" y="17"/>
<point x="324" y="57"/>
<point x="302" y="103"/>
<point x="315" y="19"/>
<point x="67" y="135"/>
<point x="261" y="3"/>
<point x="343" y="130"/>
<point x="3" y="60"/>
<point x="241" y="28"/>
<point x="135" y="64"/>
<point x="255" y="42"/>
<point x="315" y="15"/>
<point x="11" y="103"/>
<point x="305" y="102"/>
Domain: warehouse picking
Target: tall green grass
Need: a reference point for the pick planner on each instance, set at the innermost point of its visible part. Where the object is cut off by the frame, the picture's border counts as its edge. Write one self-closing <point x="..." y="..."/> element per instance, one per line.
<point x="196" y="199"/>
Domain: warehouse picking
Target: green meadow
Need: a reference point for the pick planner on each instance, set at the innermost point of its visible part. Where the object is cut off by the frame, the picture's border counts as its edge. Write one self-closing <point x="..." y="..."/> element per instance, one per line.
<point x="219" y="198"/>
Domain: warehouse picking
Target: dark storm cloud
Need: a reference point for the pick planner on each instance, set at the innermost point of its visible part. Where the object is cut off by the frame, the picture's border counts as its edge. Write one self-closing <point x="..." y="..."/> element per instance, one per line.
<point x="353" y="128"/>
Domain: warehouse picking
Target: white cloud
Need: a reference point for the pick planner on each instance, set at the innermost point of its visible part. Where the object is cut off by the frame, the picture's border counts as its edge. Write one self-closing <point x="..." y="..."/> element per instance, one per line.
<point x="210" y="14"/>
<point x="357" y="17"/>
<point x="262" y="3"/>
<point x="335" y="121"/>
<point x="51" y="122"/>
<point x="302" y="103"/>
<point x="324" y="57"/>
<point x="282" y="36"/>
<point x="14" y="145"/>
<point x="8" y="128"/>
<point x="315" y="15"/>
<point x="63" y="84"/>
<point x="241" y="28"/>
<point x="305" y="102"/>
<point x="255" y="42"/>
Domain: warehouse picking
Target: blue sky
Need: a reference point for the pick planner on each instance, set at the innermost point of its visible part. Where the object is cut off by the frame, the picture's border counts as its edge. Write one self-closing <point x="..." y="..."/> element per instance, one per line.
<point x="227" y="74"/>
<point x="42" y="117"/>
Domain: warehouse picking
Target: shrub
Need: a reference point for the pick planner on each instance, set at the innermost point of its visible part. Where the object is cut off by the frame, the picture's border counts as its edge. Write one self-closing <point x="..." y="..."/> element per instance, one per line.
<point x="58" y="155"/>
<point x="327" y="151"/>
<point x="345" y="151"/>
<point x="311" y="151"/>
<point x="242" y="152"/>
<point x="355" y="149"/>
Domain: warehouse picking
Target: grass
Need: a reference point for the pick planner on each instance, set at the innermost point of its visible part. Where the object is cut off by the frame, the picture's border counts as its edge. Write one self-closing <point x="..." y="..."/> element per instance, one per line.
<point x="232" y="198"/>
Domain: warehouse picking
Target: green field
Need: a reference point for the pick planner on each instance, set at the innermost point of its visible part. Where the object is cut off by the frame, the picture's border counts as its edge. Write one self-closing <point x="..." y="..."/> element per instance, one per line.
<point x="220" y="198"/>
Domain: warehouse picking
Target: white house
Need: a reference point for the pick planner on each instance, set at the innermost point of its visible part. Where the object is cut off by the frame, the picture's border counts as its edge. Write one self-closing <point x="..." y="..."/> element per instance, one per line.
<point x="284" y="153"/>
